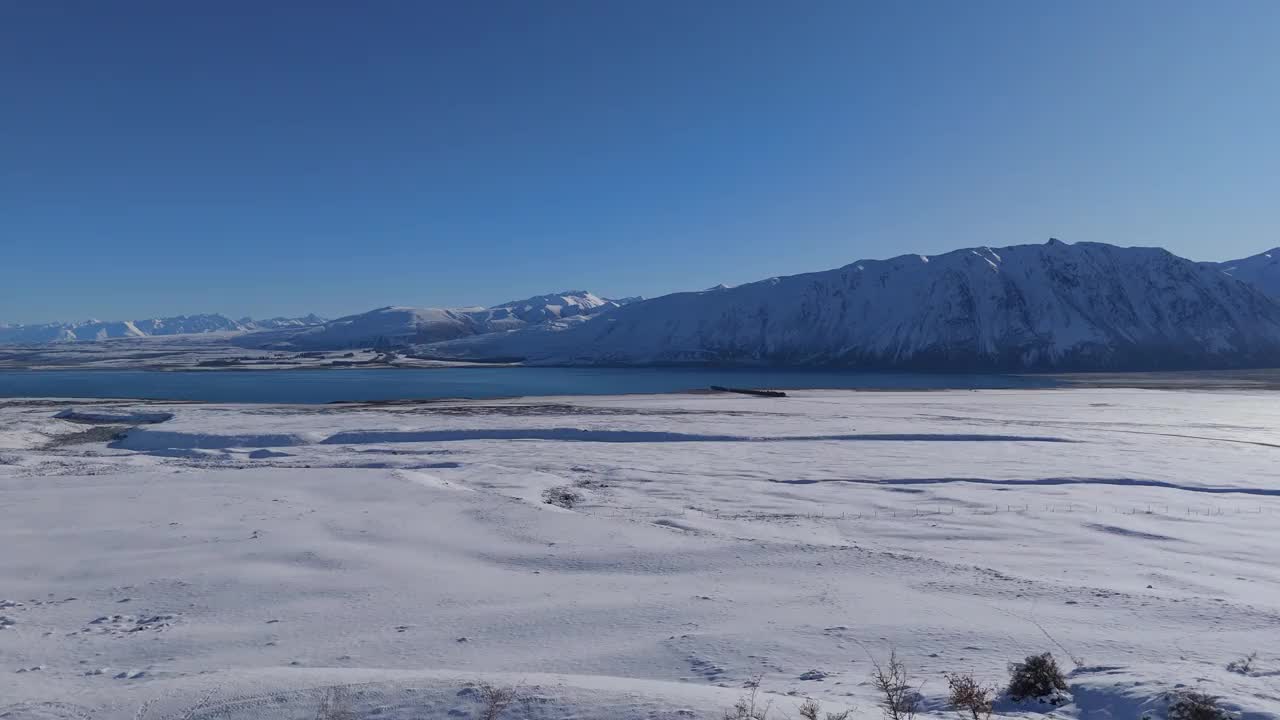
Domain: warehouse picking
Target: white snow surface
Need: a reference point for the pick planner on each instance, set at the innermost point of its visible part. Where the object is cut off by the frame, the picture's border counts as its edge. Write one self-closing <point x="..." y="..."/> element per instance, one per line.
<point x="1058" y="305"/>
<point x="255" y="555"/>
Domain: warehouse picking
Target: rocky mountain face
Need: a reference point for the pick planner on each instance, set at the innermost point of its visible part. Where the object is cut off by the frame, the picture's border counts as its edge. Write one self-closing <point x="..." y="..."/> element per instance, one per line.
<point x="1084" y="306"/>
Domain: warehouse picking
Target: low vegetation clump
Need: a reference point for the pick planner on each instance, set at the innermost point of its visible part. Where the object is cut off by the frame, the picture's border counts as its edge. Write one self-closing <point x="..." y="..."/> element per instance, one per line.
<point x="970" y="698"/>
<point x="493" y="699"/>
<point x="1244" y="665"/>
<point x="1192" y="705"/>
<point x="811" y="710"/>
<point x="562" y="496"/>
<point x="1036" y="677"/>
<point x="335" y="704"/>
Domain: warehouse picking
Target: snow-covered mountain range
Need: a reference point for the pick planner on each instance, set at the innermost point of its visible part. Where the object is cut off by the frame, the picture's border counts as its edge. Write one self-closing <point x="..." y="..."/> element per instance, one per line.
<point x="399" y="326"/>
<point x="384" y="326"/>
<point x="1051" y="306"/>
<point x="90" y="330"/>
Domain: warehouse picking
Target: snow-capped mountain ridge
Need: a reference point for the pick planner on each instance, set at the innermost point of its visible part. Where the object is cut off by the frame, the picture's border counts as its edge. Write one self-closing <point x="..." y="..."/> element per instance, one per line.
<point x="275" y="323"/>
<point x="1261" y="270"/>
<point x="395" y="326"/>
<point x="1056" y="305"/>
<point x="542" y="308"/>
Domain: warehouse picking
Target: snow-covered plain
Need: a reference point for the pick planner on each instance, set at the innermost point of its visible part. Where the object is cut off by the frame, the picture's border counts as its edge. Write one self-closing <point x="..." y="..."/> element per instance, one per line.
<point x="209" y="352"/>
<point x="251" y="556"/>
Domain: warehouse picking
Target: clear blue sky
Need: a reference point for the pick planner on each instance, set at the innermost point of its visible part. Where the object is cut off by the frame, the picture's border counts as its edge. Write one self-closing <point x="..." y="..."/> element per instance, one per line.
<point x="286" y="157"/>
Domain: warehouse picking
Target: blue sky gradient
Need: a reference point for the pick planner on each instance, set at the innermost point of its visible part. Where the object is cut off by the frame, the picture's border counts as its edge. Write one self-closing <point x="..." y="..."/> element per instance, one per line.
<point x="284" y="157"/>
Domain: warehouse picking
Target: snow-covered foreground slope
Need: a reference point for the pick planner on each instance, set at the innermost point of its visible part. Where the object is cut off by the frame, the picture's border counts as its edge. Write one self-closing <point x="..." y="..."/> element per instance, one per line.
<point x="398" y="326"/>
<point x="1261" y="270"/>
<point x="256" y="556"/>
<point x="1081" y="306"/>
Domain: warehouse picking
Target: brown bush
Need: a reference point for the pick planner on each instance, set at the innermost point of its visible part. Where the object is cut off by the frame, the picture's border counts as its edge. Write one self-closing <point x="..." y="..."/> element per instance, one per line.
<point x="969" y="697"/>
<point x="1037" y="676"/>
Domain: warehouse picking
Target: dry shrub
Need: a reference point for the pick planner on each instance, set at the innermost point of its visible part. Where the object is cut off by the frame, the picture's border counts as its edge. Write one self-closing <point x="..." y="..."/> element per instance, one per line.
<point x="1191" y="705"/>
<point x="811" y="710"/>
<point x="899" y="699"/>
<point x="1244" y="665"/>
<point x="746" y="708"/>
<point x="1037" y="676"/>
<point x="493" y="699"/>
<point x="969" y="697"/>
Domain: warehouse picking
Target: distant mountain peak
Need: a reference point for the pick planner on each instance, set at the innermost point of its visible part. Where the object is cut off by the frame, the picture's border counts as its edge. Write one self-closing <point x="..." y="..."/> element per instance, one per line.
<point x="581" y="298"/>
<point x="1261" y="270"/>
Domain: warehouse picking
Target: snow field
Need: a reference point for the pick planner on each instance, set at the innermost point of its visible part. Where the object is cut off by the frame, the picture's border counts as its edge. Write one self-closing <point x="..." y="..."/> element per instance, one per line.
<point x="257" y="555"/>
